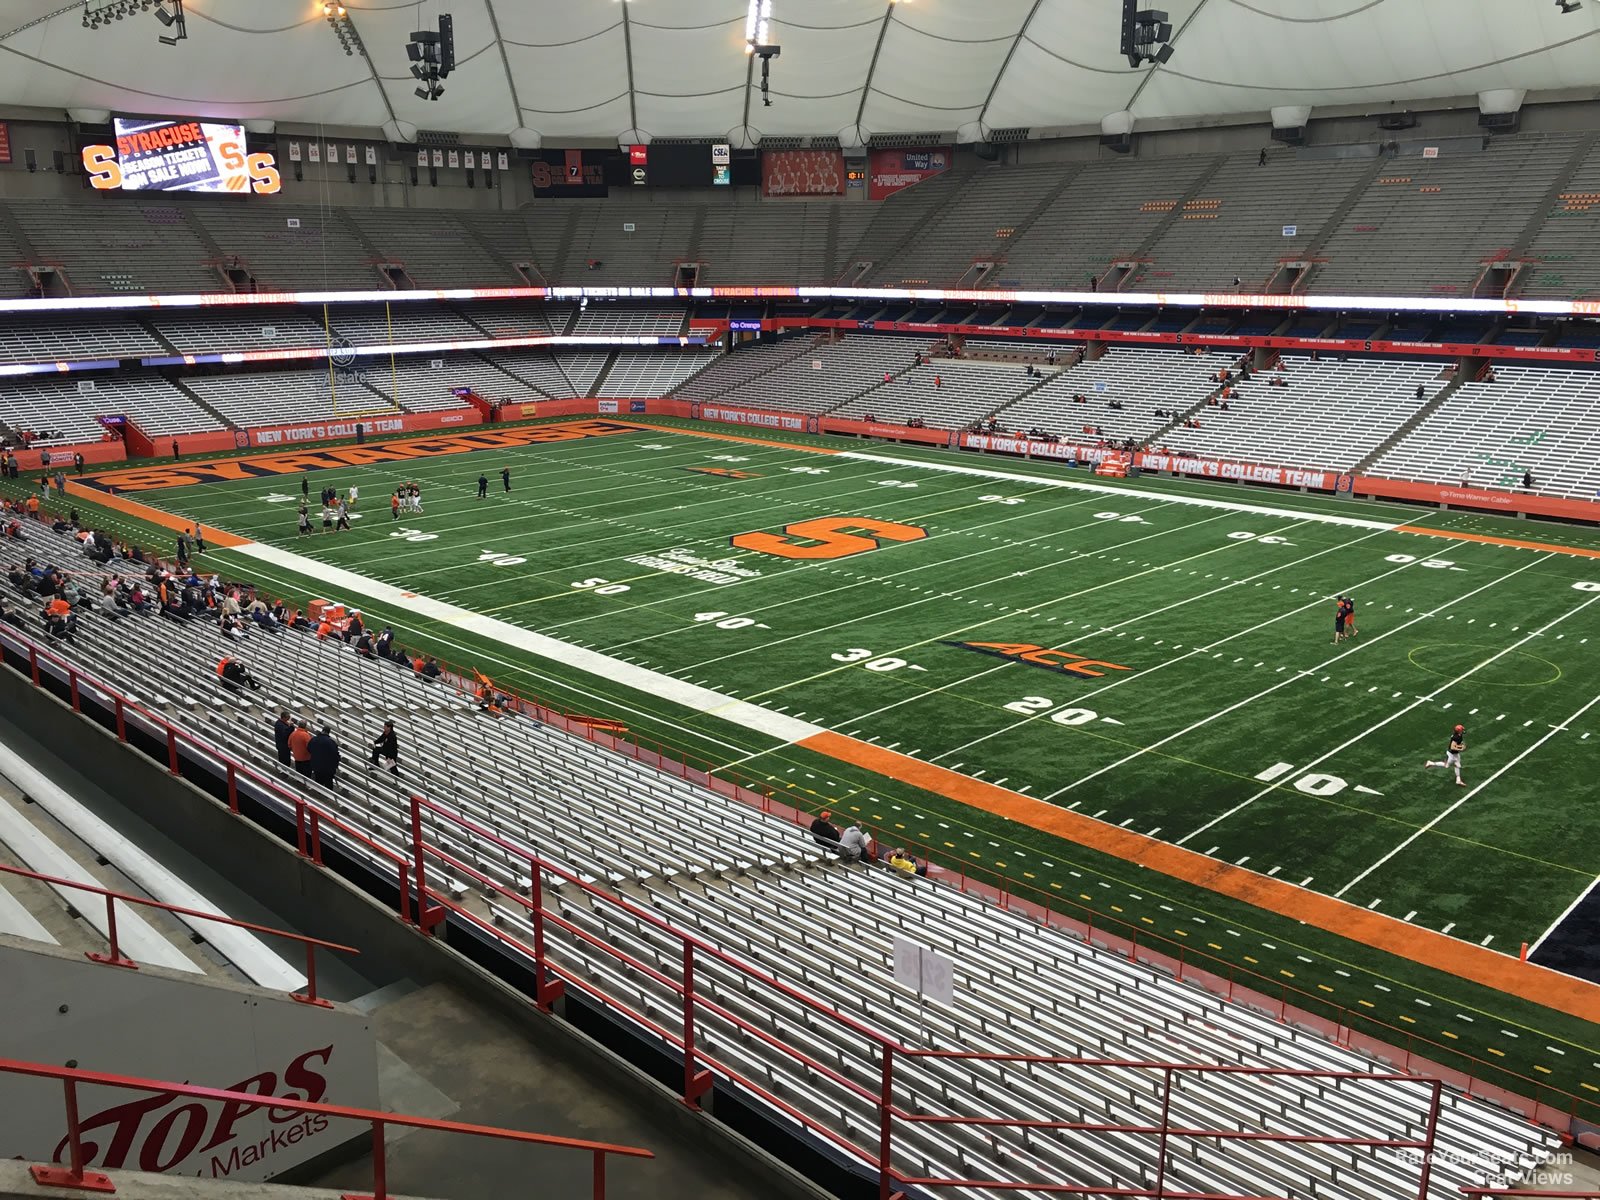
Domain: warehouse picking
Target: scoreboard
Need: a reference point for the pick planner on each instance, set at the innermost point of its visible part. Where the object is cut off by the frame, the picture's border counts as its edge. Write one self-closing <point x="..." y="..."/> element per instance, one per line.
<point x="179" y="154"/>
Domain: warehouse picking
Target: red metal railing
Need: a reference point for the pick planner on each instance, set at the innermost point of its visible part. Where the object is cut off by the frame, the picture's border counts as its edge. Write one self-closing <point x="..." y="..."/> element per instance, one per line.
<point x="313" y="825"/>
<point x="115" y="958"/>
<point x="700" y="1065"/>
<point x="76" y="1174"/>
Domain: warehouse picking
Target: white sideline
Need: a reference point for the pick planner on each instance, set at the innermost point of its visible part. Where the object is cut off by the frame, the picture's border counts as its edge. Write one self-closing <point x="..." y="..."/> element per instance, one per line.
<point x="240" y="947"/>
<point x="1264" y="510"/>
<point x="692" y="696"/>
<point x="137" y="939"/>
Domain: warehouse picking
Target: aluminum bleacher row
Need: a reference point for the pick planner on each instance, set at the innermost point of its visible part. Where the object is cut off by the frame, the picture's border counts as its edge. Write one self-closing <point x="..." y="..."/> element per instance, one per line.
<point x="69" y="407"/>
<point x="966" y="392"/>
<point x="1489" y="432"/>
<point x="758" y="889"/>
<point x="651" y="373"/>
<point x="1331" y="413"/>
<point x="1196" y="221"/>
<point x="1142" y="381"/>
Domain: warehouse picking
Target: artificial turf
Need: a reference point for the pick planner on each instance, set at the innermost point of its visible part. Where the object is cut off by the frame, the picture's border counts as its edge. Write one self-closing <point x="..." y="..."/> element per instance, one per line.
<point x="1236" y="727"/>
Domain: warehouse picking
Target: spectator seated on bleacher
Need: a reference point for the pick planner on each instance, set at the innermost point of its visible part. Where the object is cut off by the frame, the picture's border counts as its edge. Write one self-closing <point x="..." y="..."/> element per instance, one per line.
<point x="235" y="674"/>
<point x="855" y="845"/>
<point x="824" y="832"/>
<point x="59" y="619"/>
<point x="905" y="863"/>
<point x="14" y="530"/>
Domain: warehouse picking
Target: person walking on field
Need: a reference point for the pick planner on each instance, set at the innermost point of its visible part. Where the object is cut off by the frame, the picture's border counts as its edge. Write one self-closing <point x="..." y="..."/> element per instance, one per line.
<point x="394" y="507"/>
<point x="305" y="520"/>
<point x="483" y="486"/>
<point x="505" y="477"/>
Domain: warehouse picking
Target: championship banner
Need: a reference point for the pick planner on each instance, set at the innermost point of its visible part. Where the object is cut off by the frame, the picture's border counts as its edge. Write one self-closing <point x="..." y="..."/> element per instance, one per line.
<point x="802" y="173"/>
<point x="891" y="171"/>
<point x="5" y="142"/>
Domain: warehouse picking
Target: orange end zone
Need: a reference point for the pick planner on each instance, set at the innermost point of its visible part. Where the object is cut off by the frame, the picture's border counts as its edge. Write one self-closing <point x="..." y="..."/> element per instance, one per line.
<point x="1552" y="547"/>
<point x="1461" y="959"/>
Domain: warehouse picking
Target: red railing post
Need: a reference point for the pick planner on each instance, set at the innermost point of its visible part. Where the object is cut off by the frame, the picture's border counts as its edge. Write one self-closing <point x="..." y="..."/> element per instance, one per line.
<point x="311" y="996"/>
<point x="119" y="707"/>
<point x="599" y="1175"/>
<point x="1161" y="1138"/>
<point x="74" y="1176"/>
<point x="33" y="665"/>
<point x="547" y="987"/>
<point x="300" y="828"/>
<point x="427" y="915"/>
<point x="316" y="836"/>
<point x="695" y="1083"/>
<point x="404" y="869"/>
<point x="72" y="689"/>
<point x="886" y="1125"/>
<point x="1433" y="1129"/>
<point x="380" y="1166"/>
<point x="172" y="751"/>
<point x="115" y="957"/>
<point x="233" y="789"/>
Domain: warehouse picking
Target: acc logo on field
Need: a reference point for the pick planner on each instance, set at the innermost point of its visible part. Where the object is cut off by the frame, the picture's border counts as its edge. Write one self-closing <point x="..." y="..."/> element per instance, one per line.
<point x="832" y="537"/>
<point x="1041" y="656"/>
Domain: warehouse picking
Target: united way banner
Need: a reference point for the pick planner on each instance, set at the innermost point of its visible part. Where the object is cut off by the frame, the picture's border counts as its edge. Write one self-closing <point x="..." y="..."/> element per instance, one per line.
<point x="891" y="171"/>
<point x="802" y="173"/>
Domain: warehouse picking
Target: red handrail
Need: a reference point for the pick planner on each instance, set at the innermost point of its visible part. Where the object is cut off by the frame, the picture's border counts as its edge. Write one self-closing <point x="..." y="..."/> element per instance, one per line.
<point x="77" y="1175"/>
<point x="432" y="906"/>
<point x="116" y="958"/>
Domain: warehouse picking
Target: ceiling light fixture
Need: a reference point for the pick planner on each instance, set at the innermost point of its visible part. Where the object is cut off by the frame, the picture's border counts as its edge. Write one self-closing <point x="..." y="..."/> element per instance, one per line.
<point x="758" y="42"/>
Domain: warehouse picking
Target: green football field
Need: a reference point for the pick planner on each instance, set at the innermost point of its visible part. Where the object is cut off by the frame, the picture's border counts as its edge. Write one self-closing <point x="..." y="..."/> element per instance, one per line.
<point x="1156" y="656"/>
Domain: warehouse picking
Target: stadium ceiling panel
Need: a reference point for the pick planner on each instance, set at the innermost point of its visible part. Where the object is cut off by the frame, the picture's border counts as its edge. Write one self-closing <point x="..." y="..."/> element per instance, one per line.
<point x="627" y="69"/>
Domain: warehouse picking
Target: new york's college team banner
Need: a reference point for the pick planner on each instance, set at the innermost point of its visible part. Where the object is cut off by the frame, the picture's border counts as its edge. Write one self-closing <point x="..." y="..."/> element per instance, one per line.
<point x="802" y="173"/>
<point x="891" y="171"/>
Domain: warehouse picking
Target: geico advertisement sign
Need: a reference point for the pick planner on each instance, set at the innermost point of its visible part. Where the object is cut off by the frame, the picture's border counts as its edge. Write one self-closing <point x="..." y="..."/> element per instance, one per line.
<point x="168" y="1132"/>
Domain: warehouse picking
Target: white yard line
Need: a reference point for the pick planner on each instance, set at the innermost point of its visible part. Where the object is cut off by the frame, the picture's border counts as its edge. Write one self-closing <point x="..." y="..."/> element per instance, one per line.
<point x="1187" y="654"/>
<point x="1398" y="713"/>
<point x="1298" y="675"/>
<point x="1105" y="490"/>
<point x="1471" y="792"/>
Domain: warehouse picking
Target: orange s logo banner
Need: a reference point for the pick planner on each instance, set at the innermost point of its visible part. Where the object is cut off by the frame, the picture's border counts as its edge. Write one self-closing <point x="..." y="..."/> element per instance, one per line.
<point x="1041" y="656"/>
<point x="832" y="537"/>
<point x="100" y="164"/>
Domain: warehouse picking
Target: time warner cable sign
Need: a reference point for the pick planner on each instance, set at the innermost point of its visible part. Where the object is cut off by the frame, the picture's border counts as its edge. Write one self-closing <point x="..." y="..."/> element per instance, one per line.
<point x="150" y="1024"/>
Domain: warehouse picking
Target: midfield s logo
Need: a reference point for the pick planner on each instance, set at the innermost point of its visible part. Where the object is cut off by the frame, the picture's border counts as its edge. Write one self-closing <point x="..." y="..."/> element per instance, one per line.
<point x="1041" y="656"/>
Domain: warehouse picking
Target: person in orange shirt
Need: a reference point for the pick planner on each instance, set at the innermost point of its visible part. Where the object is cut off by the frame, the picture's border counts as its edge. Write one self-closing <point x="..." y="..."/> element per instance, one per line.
<point x="33" y="507"/>
<point x="300" y="747"/>
<point x="394" y="507"/>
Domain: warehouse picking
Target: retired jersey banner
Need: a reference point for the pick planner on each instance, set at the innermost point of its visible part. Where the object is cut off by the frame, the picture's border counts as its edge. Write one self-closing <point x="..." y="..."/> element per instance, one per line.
<point x="891" y="171"/>
<point x="802" y="173"/>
